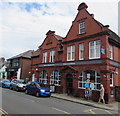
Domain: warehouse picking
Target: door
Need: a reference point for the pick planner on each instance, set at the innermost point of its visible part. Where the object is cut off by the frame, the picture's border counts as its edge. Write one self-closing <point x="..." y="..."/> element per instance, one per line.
<point x="69" y="84"/>
<point x="32" y="88"/>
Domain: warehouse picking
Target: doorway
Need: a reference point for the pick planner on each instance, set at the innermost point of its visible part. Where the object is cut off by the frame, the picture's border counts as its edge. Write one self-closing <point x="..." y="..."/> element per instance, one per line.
<point x="69" y="84"/>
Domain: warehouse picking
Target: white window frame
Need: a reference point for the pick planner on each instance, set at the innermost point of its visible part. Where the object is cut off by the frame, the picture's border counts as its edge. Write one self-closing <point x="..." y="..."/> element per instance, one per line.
<point x="82" y="82"/>
<point x="81" y="50"/>
<point x="52" y="56"/>
<point x="111" y="51"/>
<point x="82" y="27"/>
<point x="71" y="52"/>
<point x="44" y="57"/>
<point x="111" y="79"/>
<point x="43" y="77"/>
<point x="94" y="49"/>
<point x="55" y="80"/>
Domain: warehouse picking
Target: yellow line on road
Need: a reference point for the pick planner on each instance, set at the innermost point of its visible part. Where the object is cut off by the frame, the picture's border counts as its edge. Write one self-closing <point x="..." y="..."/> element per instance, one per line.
<point x="91" y="110"/>
<point x="3" y="111"/>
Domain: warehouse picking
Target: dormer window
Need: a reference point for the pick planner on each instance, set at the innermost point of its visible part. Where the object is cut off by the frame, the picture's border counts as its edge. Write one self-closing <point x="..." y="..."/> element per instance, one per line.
<point x="82" y="28"/>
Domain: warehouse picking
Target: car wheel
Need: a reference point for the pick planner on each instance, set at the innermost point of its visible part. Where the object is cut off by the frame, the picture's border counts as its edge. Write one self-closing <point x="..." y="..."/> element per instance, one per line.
<point x="26" y="91"/>
<point x="11" y="87"/>
<point x="17" y="89"/>
<point x="37" y="94"/>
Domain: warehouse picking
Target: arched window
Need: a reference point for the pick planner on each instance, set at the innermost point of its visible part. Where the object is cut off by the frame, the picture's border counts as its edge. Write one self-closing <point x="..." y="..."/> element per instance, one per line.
<point x="90" y="79"/>
<point x="43" y="77"/>
<point x="55" y="78"/>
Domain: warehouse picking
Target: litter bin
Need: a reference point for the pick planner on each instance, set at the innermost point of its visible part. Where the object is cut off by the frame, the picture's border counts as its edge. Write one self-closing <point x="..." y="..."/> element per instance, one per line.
<point x="106" y="98"/>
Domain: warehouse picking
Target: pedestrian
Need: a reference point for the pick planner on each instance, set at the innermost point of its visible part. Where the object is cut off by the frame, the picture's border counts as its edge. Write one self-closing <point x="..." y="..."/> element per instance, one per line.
<point x="101" y="94"/>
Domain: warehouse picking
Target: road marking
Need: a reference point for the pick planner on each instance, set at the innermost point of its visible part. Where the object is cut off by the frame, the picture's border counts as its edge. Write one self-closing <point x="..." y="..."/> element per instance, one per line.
<point x="3" y="111"/>
<point x="91" y="110"/>
<point x="60" y="110"/>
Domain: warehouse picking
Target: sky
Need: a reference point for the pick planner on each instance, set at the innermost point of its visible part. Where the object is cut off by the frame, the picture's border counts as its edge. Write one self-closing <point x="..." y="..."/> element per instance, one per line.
<point x="24" y="23"/>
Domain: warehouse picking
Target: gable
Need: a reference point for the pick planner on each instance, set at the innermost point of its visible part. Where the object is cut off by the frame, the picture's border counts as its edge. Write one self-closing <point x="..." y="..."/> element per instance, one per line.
<point x="91" y="25"/>
<point x="50" y="41"/>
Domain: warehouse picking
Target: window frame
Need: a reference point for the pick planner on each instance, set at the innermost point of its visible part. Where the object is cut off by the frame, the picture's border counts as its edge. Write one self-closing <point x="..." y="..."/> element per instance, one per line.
<point x="111" y="52"/>
<point x="81" y="50"/>
<point x="111" y="79"/>
<point x="55" y="80"/>
<point x="52" y="56"/>
<point x="94" y="49"/>
<point x="82" y="26"/>
<point x="42" y="78"/>
<point x="72" y="50"/>
<point x="82" y="82"/>
<point x="44" y="60"/>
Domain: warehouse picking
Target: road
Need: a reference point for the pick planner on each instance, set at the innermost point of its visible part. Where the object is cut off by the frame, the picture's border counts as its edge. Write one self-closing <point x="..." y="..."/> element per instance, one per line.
<point x="19" y="103"/>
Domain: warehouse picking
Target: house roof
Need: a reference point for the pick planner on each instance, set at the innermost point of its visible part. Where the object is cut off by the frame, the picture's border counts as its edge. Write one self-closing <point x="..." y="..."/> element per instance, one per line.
<point x="58" y="37"/>
<point x="26" y="54"/>
<point x="36" y="53"/>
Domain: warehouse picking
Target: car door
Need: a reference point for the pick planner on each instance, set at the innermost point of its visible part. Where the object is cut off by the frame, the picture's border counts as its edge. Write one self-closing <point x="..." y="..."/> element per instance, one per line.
<point x="32" y="88"/>
<point x="14" y="84"/>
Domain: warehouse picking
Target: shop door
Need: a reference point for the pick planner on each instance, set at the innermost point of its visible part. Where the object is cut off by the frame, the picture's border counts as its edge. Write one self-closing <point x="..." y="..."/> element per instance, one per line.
<point x="69" y="84"/>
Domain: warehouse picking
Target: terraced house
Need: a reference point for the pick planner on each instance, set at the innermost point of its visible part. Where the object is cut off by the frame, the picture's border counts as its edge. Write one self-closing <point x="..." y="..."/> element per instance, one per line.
<point x="88" y="56"/>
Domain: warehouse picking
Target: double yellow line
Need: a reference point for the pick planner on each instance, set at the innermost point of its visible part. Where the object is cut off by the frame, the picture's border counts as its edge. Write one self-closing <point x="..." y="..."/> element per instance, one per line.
<point x="3" y="111"/>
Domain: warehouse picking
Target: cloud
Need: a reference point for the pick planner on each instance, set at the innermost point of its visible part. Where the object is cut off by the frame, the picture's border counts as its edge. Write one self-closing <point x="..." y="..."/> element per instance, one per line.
<point x="24" y="25"/>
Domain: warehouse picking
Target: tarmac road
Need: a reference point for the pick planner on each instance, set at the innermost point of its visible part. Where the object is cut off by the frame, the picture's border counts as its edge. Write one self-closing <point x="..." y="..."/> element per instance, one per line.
<point x="19" y="103"/>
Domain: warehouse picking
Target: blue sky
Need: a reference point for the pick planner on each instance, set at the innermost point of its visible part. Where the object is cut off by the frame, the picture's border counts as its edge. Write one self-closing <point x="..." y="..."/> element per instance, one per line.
<point x="24" y="24"/>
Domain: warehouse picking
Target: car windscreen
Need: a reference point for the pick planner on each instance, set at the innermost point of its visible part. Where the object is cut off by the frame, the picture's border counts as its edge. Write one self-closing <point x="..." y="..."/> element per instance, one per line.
<point x="22" y="82"/>
<point x="37" y="84"/>
<point x="6" y="80"/>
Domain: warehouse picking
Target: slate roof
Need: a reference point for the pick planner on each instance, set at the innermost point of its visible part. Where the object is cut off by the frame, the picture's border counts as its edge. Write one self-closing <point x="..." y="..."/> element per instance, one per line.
<point x="26" y="54"/>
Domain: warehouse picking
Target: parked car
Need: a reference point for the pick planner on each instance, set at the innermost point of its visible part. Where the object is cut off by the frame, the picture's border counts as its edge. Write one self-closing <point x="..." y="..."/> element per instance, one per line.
<point x="6" y="83"/>
<point x="18" y="85"/>
<point x="37" y="89"/>
<point x="1" y="80"/>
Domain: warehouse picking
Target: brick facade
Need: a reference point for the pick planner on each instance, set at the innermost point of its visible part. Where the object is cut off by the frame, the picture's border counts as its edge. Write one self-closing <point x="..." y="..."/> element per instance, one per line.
<point x="70" y="71"/>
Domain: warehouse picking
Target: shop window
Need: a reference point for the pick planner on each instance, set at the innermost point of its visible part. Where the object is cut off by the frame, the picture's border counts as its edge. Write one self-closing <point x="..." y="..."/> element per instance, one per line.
<point x="81" y="51"/>
<point x="70" y="53"/>
<point x="82" y="28"/>
<point x="94" y="49"/>
<point x="111" y="79"/>
<point x="55" y="78"/>
<point x="89" y="79"/>
<point x="43" y="77"/>
<point x="112" y="93"/>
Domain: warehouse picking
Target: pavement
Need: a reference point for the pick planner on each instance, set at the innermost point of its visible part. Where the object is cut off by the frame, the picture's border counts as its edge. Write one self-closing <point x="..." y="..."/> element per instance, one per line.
<point x="110" y="106"/>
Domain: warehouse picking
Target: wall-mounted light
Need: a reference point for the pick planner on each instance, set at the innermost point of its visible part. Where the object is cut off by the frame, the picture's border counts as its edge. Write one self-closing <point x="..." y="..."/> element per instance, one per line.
<point x="36" y="69"/>
<point x="29" y="72"/>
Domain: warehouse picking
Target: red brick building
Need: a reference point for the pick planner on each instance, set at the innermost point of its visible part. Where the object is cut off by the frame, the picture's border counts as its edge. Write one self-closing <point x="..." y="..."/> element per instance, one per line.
<point x="88" y="56"/>
<point x="19" y="66"/>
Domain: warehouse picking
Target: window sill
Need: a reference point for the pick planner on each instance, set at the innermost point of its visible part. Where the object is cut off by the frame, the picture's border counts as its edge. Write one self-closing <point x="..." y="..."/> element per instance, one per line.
<point x="81" y="34"/>
<point x="95" y="58"/>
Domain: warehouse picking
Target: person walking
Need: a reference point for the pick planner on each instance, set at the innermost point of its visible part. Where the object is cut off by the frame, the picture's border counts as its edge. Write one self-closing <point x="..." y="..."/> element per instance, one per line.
<point x="101" y="94"/>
